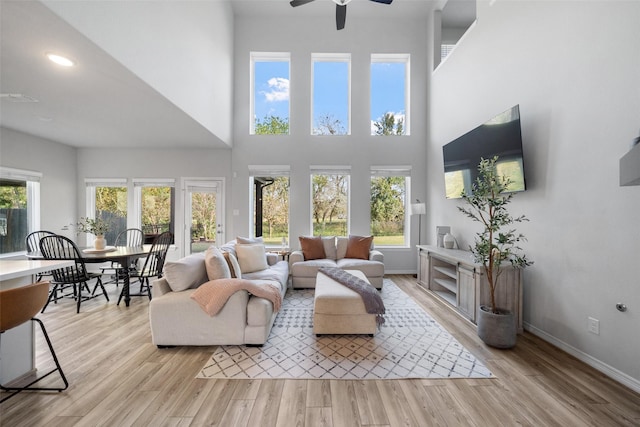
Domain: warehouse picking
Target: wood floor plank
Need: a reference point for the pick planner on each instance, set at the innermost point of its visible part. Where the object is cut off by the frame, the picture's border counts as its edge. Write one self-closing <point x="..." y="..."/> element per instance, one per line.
<point x="118" y="377"/>
<point x="318" y="393"/>
<point x="318" y="417"/>
<point x="267" y="404"/>
<point x="370" y="404"/>
<point x="344" y="405"/>
<point x="292" y="409"/>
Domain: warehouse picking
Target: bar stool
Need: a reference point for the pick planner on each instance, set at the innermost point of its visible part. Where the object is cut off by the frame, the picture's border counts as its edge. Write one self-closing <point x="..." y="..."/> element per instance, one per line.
<point x="18" y="306"/>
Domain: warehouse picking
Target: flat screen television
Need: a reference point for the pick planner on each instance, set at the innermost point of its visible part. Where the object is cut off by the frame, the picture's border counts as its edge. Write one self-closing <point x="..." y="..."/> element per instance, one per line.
<point x="499" y="136"/>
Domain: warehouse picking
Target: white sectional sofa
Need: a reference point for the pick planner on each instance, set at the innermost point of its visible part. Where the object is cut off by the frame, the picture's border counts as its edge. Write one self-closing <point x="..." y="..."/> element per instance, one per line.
<point x="304" y="270"/>
<point x="177" y="319"/>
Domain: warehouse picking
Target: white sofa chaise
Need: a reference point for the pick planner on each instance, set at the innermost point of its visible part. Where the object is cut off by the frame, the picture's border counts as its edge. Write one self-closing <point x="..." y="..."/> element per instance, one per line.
<point x="177" y="319"/>
<point x="304" y="267"/>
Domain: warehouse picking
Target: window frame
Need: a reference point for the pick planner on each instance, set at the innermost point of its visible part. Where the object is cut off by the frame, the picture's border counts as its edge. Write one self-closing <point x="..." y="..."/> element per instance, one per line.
<point x="330" y="57"/>
<point x="90" y="204"/>
<point x="378" y="58"/>
<point x="330" y="170"/>
<point x="275" y="171"/>
<point x="32" y="180"/>
<point x="396" y="171"/>
<point x="265" y="57"/>
<point x="136" y="207"/>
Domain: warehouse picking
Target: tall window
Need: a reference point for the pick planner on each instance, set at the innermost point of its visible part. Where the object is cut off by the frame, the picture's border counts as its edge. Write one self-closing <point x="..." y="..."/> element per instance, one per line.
<point x="330" y="200"/>
<point x="107" y="199"/>
<point x="19" y="208"/>
<point x="270" y="191"/>
<point x="390" y="94"/>
<point x="389" y="219"/>
<point x="269" y="93"/>
<point x="154" y="199"/>
<point x="331" y="109"/>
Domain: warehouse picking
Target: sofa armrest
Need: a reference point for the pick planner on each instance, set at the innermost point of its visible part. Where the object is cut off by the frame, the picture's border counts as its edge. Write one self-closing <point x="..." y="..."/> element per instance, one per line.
<point x="295" y="256"/>
<point x="375" y="255"/>
<point x="160" y="287"/>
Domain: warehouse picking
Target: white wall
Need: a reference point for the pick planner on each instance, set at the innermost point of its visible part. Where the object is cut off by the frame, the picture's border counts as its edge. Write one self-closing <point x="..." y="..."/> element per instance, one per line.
<point x="57" y="163"/>
<point x="573" y="68"/>
<point x="302" y="37"/>
<point x="183" y="49"/>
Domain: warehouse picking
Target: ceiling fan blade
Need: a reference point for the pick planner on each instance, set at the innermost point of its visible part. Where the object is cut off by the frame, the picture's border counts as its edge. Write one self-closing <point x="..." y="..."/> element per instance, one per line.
<point x="383" y="1"/>
<point x="295" y="3"/>
<point x="341" y="16"/>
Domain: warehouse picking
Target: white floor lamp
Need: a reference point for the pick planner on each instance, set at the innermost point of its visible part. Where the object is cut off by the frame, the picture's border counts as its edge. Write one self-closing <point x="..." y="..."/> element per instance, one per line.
<point x="419" y="209"/>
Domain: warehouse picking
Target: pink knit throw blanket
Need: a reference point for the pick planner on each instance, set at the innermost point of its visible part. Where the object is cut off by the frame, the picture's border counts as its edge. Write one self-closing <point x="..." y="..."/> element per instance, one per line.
<point x="213" y="295"/>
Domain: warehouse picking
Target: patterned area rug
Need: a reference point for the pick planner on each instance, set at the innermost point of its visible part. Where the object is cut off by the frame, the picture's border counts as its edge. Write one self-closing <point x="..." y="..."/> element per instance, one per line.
<point x="411" y="344"/>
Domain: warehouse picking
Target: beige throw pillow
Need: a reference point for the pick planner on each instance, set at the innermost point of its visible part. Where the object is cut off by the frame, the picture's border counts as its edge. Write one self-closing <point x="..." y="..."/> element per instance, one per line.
<point x="216" y="265"/>
<point x="188" y="272"/>
<point x="251" y="257"/>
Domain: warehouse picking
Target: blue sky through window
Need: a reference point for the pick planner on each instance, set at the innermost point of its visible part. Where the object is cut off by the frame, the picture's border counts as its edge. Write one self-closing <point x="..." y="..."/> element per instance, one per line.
<point x="271" y="89"/>
<point x="388" y="80"/>
<point x="330" y="89"/>
<point x="331" y="93"/>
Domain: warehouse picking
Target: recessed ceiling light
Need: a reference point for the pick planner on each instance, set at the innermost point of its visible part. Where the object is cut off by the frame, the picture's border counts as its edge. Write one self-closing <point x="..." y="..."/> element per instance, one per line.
<point x="60" y="60"/>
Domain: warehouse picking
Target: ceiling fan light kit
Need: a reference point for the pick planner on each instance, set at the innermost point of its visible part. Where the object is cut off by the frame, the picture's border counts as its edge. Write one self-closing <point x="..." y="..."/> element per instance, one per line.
<point x="341" y="9"/>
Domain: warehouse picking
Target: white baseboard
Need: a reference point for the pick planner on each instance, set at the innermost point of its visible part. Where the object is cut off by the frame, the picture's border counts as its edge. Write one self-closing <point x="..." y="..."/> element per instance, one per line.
<point x="609" y="371"/>
<point x="399" y="271"/>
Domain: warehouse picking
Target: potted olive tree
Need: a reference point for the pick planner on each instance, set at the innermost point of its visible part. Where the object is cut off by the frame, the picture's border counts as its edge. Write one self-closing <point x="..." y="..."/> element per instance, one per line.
<point x="496" y="245"/>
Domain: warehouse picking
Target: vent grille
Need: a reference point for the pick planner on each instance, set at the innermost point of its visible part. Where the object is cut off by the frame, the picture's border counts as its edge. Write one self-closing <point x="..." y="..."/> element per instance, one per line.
<point x="17" y="97"/>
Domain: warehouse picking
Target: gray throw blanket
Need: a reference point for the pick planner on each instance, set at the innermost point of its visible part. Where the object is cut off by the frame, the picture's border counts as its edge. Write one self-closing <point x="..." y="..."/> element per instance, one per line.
<point x="369" y="294"/>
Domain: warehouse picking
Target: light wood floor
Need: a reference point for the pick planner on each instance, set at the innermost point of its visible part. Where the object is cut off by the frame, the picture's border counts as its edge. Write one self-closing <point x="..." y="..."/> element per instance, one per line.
<point x="118" y="378"/>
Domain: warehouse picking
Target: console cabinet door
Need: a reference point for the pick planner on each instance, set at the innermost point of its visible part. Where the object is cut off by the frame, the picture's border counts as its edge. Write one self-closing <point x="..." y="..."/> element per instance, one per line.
<point x="423" y="274"/>
<point x="466" y="292"/>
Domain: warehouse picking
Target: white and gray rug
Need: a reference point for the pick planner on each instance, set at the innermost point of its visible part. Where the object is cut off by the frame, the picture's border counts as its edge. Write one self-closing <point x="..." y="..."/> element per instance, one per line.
<point x="411" y="344"/>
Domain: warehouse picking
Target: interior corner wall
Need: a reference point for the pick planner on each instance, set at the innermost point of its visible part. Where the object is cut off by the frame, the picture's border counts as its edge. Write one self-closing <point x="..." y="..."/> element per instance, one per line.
<point x="573" y="68"/>
<point x="57" y="163"/>
<point x="183" y="49"/>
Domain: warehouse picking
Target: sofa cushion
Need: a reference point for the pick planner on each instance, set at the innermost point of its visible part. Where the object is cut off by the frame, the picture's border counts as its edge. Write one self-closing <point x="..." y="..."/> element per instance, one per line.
<point x="312" y="247"/>
<point x="310" y="268"/>
<point x="188" y="272"/>
<point x="216" y="265"/>
<point x="251" y="257"/>
<point x="358" y="247"/>
<point x="369" y="268"/>
<point x="329" y="244"/>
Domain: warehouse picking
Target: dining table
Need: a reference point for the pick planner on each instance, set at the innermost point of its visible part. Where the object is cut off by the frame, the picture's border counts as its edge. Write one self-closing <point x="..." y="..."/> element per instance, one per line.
<point x="123" y="255"/>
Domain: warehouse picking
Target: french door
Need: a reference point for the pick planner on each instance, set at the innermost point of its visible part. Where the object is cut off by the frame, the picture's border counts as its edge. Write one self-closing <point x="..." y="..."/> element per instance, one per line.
<point x="204" y="218"/>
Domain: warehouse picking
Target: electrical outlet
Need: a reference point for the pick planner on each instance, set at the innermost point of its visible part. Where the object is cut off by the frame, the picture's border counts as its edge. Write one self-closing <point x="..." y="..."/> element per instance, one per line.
<point x="593" y="325"/>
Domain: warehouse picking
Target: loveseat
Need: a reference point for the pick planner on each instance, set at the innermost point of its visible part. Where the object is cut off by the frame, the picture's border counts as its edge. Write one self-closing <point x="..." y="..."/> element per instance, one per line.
<point x="348" y="253"/>
<point x="177" y="318"/>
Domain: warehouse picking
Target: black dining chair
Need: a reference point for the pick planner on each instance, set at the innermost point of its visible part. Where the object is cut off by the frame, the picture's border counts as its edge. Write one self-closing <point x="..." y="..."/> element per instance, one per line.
<point x="153" y="265"/>
<point x="74" y="277"/>
<point x="18" y="306"/>
<point x="128" y="237"/>
<point x="33" y="245"/>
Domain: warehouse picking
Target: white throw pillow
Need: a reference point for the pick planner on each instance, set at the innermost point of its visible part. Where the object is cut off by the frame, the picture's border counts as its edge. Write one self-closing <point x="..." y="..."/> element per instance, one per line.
<point x="216" y="265"/>
<point x="329" y="244"/>
<point x="251" y="258"/>
<point x="249" y="240"/>
<point x="188" y="272"/>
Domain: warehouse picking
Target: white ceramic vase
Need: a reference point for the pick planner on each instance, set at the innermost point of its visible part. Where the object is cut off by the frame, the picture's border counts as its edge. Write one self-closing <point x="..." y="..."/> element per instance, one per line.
<point x="448" y="241"/>
<point x="100" y="243"/>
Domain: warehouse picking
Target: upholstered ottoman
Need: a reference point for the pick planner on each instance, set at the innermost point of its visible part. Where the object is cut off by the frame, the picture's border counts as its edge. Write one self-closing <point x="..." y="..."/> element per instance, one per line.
<point x="339" y="310"/>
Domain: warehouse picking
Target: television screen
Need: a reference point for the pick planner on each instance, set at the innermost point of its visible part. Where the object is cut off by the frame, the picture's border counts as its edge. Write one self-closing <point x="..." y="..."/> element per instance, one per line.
<point x="500" y="136"/>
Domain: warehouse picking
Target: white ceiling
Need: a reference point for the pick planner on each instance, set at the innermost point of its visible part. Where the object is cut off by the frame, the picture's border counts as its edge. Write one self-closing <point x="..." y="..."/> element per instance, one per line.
<point x="101" y="103"/>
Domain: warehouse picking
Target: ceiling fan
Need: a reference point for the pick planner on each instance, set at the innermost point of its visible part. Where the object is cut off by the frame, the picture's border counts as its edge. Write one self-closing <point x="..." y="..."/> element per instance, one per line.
<point x="341" y="9"/>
